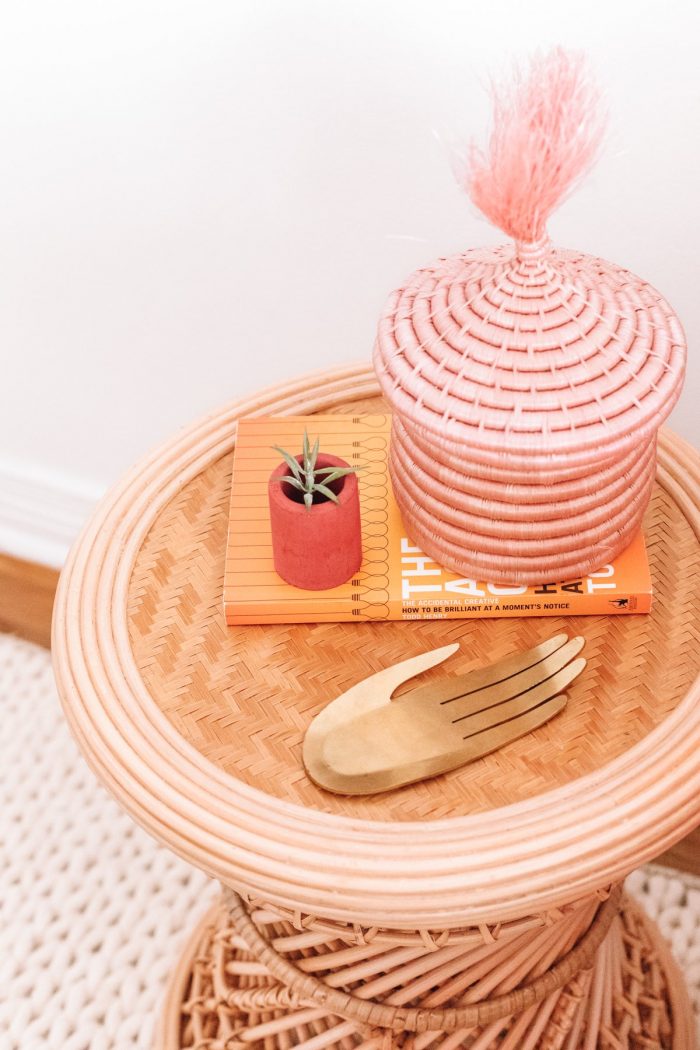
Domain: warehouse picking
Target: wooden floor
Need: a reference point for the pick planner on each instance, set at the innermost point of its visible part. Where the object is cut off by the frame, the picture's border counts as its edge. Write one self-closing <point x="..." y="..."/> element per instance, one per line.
<point x="26" y="600"/>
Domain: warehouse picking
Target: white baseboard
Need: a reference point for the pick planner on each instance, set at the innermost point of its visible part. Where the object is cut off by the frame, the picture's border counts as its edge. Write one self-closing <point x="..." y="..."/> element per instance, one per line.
<point x="41" y="513"/>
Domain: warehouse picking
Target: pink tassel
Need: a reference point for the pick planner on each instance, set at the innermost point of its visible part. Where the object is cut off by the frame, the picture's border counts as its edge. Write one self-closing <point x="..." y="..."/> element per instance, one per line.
<point x="547" y="130"/>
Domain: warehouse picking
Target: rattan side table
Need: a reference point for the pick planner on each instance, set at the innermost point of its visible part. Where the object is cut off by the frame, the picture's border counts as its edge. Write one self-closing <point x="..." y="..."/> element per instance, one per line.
<point x="481" y="909"/>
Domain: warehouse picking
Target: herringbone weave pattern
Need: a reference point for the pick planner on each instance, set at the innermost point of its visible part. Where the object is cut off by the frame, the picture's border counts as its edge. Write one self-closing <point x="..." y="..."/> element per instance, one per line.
<point x="244" y="696"/>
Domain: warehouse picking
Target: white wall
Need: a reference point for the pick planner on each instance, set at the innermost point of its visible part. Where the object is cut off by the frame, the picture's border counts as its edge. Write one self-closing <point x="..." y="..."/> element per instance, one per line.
<point x="199" y="198"/>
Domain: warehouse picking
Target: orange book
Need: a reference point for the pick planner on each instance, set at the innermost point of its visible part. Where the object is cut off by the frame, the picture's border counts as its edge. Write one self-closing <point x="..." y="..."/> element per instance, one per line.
<point x="396" y="580"/>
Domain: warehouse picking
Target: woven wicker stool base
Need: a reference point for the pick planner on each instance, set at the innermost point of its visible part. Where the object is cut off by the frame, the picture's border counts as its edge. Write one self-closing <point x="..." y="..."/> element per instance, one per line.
<point x="222" y="997"/>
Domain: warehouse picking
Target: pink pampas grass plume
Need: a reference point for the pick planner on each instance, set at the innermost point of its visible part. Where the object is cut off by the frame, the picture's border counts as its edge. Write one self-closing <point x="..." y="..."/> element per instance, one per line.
<point x="548" y="125"/>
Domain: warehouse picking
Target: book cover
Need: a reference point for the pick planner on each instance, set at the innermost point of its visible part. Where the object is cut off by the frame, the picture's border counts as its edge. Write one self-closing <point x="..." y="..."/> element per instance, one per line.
<point x="396" y="580"/>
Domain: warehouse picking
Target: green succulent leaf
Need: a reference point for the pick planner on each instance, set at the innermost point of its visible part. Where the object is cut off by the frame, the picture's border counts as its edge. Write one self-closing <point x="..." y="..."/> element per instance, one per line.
<point x="328" y="493"/>
<point x="342" y="470"/>
<point x="308" y="500"/>
<point x="336" y="472"/>
<point x="290" y="461"/>
<point x="306" y="452"/>
<point x="292" y="481"/>
<point x="314" y="454"/>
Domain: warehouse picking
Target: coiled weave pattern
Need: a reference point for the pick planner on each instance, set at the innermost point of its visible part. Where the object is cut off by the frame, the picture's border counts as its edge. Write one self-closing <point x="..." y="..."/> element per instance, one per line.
<point x="528" y="386"/>
<point x="263" y="981"/>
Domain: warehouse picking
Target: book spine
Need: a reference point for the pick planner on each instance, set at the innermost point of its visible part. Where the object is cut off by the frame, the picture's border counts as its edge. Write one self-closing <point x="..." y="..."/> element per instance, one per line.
<point x="505" y="607"/>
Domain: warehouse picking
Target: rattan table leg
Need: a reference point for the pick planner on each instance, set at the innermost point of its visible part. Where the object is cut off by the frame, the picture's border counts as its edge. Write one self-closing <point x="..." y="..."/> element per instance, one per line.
<point x="223" y="997"/>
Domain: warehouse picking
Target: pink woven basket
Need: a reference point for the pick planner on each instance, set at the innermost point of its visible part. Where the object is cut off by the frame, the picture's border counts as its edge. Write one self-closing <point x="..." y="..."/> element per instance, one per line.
<point x="516" y="469"/>
<point x="537" y="524"/>
<point x="528" y="383"/>
<point x="506" y="569"/>
<point x="523" y="500"/>
<point x="547" y="543"/>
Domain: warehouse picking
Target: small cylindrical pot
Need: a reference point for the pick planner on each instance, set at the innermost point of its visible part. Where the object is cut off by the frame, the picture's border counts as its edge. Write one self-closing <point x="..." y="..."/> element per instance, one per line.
<point x="321" y="547"/>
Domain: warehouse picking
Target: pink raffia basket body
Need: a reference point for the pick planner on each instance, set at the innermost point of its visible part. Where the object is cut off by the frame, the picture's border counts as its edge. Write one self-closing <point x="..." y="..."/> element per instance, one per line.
<point x="527" y="383"/>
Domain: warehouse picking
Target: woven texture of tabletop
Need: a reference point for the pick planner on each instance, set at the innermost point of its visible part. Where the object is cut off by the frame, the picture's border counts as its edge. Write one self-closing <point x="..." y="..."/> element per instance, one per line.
<point x="196" y="728"/>
<point x="243" y="696"/>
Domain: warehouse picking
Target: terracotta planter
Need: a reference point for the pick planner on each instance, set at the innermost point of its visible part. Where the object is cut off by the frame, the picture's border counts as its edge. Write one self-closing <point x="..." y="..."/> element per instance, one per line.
<point x="318" y="548"/>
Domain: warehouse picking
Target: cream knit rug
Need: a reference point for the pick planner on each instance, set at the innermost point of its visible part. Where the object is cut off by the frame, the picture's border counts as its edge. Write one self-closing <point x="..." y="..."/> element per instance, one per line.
<point x="93" y="912"/>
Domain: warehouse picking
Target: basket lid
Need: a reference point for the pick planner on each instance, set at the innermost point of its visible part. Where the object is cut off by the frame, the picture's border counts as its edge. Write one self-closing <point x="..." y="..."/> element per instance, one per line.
<point x="529" y="348"/>
<point x="557" y="351"/>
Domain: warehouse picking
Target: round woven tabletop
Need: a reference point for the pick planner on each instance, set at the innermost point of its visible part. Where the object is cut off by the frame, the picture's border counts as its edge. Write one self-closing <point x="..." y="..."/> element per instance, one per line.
<point x="197" y="728"/>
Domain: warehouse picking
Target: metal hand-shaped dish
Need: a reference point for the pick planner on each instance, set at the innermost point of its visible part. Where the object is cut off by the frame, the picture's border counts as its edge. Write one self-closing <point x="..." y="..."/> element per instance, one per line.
<point x="364" y="742"/>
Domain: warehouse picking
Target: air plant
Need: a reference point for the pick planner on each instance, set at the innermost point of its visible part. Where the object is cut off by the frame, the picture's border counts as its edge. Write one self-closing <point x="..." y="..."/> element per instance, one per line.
<point x="307" y="478"/>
